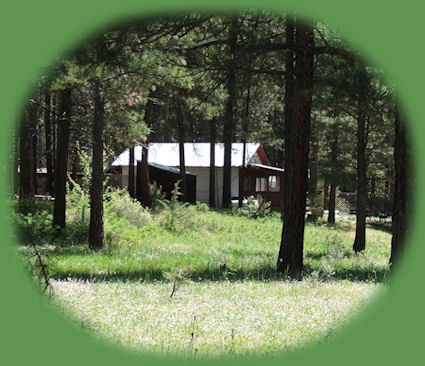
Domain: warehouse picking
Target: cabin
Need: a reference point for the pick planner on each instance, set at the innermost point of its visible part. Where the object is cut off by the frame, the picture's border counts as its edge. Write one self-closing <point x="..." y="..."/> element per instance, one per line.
<point x="264" y="180"/>
<point x="163" y="175"/>
<point x="41" y="181"/>
<point x="252" y="177"/>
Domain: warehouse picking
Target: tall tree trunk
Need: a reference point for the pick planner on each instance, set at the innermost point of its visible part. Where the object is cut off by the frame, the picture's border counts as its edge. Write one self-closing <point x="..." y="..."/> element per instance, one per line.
<point x="297" y="134"/>
<point x="334" y="162"/>
<point x="54" y="137"/>
<point x="96" y="188"/>
<point x="212" y="177"/>
<point x="15" y="163"/>
<point x="332" y="199"/>
<point x="48" y="137"/>
<point x="34" y="154"/>
<point x="229" y="117"/>
<point x="228" y="139"/>
<point x="182" y="165"/>
<point x="360" y="239"/>
<point x="280" y="133"/>
<point x="26" y="187"/>
<point x="144" y="181"/>
<point x="245" y="132"/>
<point x="131" y="172"/>
<point x="289" y="109"/>
<point x="326" y="196"/>
<point x="402" y="189"/>
<point x="61" y="168"/>
<point x="139" y="179"/>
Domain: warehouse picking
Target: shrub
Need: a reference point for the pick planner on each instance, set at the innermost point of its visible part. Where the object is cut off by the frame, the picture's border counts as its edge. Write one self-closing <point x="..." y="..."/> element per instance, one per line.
<point x="34" y="228"/>
<point x="177" y="277"/>
<point x="156" y="194"/>
<point x="201" y="207"/>
<point x="78" y="194"/>
<point x="175" y="214"/>
<point x="256" y="207"/>
<point x="26" y="206"/>
<point x="77" y="200"/>
<point x="76" y="232"/>
<point x="120" y="203"/>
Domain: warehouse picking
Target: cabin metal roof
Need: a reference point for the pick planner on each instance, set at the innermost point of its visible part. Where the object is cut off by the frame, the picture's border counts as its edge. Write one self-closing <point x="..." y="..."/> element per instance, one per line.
<point x="196" y="154"/>
<point x="168" y="168"/>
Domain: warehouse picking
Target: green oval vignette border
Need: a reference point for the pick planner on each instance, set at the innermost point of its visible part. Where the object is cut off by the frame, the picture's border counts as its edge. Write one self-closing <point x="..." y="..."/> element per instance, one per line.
<point x="389" y="33"/>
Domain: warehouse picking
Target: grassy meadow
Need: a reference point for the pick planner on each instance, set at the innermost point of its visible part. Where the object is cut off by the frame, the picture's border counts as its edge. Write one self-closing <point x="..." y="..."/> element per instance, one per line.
<point x="213" y="318"/>
<point x="190" y="281"/>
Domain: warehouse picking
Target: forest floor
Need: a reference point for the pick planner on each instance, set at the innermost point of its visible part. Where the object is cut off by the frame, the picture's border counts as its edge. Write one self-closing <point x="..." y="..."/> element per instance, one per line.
<point x="207" y="285"/>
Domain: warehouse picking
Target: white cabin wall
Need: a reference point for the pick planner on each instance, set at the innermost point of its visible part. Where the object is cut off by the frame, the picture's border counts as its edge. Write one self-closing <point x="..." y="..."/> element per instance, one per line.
<point x="124" y="177"/>
<point x="203" y="183"/>
<point x="235" y="182"/>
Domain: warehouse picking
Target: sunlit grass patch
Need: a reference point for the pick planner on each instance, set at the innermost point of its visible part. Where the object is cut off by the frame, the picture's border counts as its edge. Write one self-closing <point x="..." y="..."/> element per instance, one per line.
<point x="220" y="246"/>
<point x="211" y="288"/>
<point x="213" y="318"/>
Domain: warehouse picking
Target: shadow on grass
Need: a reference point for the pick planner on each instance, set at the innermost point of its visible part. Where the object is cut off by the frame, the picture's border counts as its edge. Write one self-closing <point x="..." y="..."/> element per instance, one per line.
<point x="264" y="273"/>
<point x="66" y="250"/>
<point x="351" y="274"/>
<point x="384" y="226"/>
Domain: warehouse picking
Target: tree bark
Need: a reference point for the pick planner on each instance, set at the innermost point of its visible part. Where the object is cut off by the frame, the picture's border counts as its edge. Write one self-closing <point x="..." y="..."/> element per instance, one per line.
<point x="54" y="137"/>
<point x="228" y="139"/>
<point x="15" y="163"/>
<point x="48" y="137"/>
<point x="289" y="109"/>
<point x="212" y="177"/>
<point x="245" y="132"/>
<point x="332" y="199"/>
<point x="326" y="196"/>
<point x="297" y="134"/>
<point x="63" y="122"/>
<point x="96" y="231"/>
<point x="139" y="179"/>
<point x="334" y="162"/>
<point x="34" y="154"/>
<point x="145" y="189"/>
<point x="402" y="193"/>
<point x="26" y="188"/>
<point x="360" y="239"/>
<point x="131" y="172"/>
<point x="182" y="165"/>
<point x="229" y="118"/>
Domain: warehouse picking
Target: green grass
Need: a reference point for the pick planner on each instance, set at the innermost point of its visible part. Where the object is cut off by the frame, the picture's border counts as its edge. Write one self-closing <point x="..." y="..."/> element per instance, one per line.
<point x="213" y="318"/>
<point x="228" y="299"/>
<point x="215" y="246"/>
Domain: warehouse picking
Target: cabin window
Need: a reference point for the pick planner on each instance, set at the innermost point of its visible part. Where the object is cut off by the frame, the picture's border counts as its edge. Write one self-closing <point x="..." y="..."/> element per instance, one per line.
<point x="261" y="185"/>
<point x="274" y="183"/>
